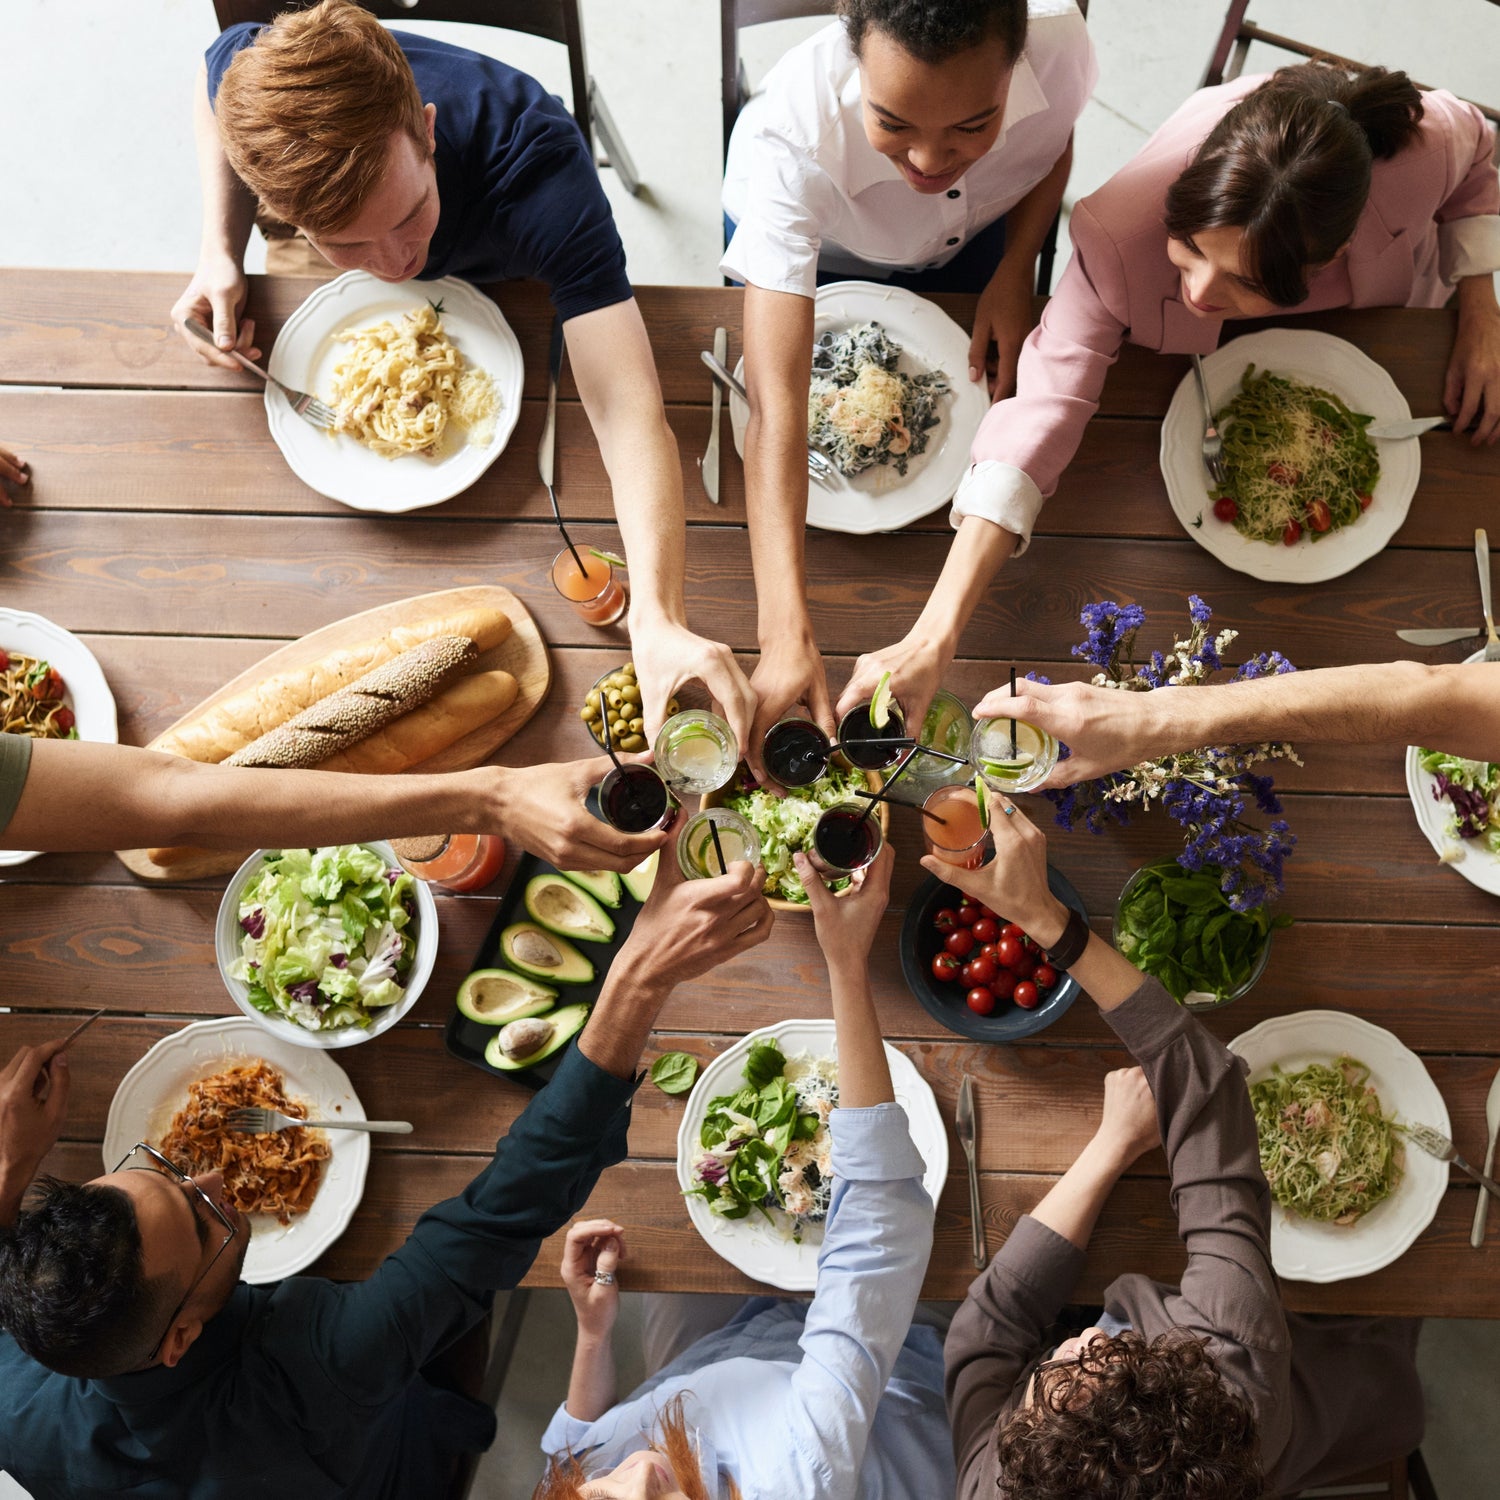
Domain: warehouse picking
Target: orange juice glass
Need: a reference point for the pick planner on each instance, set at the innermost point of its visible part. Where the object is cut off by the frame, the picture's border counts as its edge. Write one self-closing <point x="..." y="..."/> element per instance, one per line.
<point x="597" y="596"/>
<point x="453" y="862"/>
<point x="960" y="839"/>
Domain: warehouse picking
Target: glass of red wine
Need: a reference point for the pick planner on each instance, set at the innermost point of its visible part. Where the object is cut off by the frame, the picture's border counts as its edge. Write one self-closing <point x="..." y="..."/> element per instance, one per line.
<point x="846" y="840"/>
<point x="796" y="752"/>
<point x="634" y="799"/>
<point x="855" y="728"/>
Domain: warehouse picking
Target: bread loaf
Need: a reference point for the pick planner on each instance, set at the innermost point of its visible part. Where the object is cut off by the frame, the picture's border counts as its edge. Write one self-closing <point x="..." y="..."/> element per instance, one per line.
<point x="227" y="727"/>
<point x="342" y="719"/>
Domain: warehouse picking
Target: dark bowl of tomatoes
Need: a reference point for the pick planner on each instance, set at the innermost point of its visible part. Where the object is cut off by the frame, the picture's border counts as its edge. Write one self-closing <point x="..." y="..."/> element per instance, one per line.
<point x="978" y="973"/>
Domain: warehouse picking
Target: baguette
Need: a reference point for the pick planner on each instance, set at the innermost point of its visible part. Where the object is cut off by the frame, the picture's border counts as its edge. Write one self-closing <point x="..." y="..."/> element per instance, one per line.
<point x="467" y="705"/>
<point x="355" y="713"/>
<point x="227" y="727"/>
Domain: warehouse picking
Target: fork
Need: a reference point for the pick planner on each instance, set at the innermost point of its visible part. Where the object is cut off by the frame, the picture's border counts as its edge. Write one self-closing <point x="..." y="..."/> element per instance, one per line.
<point x="1435" y="1143"/>
<point x="1213" y="444"/>
<point x="817" y="464"/>
<point x="318" y="413"/>
<point x="253" y="1120"/>
<point x="1482" y="553"/>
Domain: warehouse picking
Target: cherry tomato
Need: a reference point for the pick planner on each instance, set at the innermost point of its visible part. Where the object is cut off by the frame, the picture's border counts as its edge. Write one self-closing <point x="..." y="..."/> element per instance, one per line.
<point x="945" y="920"/>
<point x="945" y="968"/>
<point x="1291" y="534"/>
<point x="1003" y="984"/>
<point x="967" y="915"/>
<point x="989" y="950"/>
<point x="1045" y="977"/>
<point x="1013" y="930"/>
<point x="986" y="930"/>
<point x="1284" y="476"/>
<point x="1030" y="944"/>
<point x="1364" y="499"/>
<point x="1225" y="508"/>
<point x="48" y="687"/>
<point x="4" y="662"/>
<point x="961" y="943"/>
<point x="979" y="1000"/>
<point x="979" y="970"/>
<point x="1026" y="996"/>
<point x="985" y="911"/>
<point x="64" y="719"/>
<point x="1009" y="951"/>
<point x="1027" y="968"/>
<point x="1319" y="516"/>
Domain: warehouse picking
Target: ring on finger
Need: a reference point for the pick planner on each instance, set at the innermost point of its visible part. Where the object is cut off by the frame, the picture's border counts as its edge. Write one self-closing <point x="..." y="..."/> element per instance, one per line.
<point x="604" y="1278"/>
<point x="1007" y="808"/>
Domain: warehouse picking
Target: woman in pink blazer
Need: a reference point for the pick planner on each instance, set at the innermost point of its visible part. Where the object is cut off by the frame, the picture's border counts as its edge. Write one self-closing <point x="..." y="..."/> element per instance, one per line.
<point x="1307" y="190"/>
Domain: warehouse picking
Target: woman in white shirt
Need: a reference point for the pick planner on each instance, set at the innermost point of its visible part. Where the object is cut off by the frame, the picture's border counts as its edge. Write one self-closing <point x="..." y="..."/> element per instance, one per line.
<point x="923" y="145"/>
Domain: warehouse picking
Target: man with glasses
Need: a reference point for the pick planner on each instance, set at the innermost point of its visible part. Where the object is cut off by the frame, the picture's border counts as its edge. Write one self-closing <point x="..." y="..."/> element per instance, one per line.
<point x="1208" y="1388"/>
<point x="135" y="1361"/>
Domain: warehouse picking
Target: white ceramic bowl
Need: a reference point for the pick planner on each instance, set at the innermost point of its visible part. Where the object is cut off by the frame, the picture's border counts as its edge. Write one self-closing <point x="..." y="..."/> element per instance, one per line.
<point x="227" y="935"/>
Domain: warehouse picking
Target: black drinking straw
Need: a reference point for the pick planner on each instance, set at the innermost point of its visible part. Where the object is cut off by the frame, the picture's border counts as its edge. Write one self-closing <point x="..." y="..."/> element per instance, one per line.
<point x="889" y="783"/>
<point x="608" y="742"/>
<point x="563" y="531"/>
<point x="713" y="829"/>
<point x="1013" y="722"/>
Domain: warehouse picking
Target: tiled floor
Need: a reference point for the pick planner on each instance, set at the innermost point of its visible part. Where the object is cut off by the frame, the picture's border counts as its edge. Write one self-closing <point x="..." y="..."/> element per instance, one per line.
<point x="98" y="170"/>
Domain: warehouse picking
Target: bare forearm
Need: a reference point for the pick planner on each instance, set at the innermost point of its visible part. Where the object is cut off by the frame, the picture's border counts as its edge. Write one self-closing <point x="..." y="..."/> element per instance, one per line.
<point x="591" y="1385"/>
<point x="978" y="551"/>
<point x="621" y="1021"/>
<point x="864" y="1073"/>
<point x="228" y="205"/>
<point x="1073" y="1204"/>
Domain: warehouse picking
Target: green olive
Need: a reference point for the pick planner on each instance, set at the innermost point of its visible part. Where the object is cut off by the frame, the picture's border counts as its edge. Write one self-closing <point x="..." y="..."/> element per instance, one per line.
<point x="631" y="694"/>
<point x="633" y="742"/>
<point x="636" y="725"/>
<point x="629" y="668"/>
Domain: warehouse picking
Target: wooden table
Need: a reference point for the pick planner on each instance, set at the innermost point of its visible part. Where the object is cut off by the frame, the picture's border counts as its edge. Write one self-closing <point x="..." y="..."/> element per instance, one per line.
<point x="163" y="526"/>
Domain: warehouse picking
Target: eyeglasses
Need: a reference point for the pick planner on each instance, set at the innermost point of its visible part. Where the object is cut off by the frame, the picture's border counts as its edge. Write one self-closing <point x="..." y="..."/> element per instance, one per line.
<point x="156" y="1162"/>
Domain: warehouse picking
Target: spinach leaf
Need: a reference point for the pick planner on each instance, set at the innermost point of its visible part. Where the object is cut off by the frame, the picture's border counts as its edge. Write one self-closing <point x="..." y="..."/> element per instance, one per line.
<point x="674" y="1072"/>
<point x="764" y="1063"/>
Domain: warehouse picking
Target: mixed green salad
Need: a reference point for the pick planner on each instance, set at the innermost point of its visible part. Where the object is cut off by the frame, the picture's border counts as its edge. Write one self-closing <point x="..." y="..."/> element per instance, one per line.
<point x="767" y="1146"/>
<point x="785" y="825"/>
<point x="1473" y="787"/>
<point x="1328" y="1149"/>
<point x="1178" y="926"/>
<point x="329" y="938"/>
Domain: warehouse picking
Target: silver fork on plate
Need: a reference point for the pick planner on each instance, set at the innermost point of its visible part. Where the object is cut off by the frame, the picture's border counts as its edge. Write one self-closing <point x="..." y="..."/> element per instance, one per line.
<point x="817" y="465"/>
<point x="318" y="413"/>
<point x="1213" y="444"/>
<point x="1435" y="1143"/>
<point x="1482" y="553"/>
<point x="251" y="1119"/>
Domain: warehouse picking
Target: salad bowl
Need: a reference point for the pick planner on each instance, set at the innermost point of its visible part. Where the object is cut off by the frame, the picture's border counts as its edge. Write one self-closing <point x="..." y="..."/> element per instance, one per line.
<point x="228" y="945"/>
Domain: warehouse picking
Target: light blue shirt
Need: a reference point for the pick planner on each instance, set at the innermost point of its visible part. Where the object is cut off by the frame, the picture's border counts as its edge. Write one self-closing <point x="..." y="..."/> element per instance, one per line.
<point x="838" y="1398"/>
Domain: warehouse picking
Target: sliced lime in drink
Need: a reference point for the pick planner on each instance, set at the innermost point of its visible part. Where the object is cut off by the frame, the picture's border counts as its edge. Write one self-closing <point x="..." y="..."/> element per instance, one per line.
<point x="981" y="796"/>
<point x="612" y="558"/>
<point x="880" y="702"/>
<point x="1008" y="768"/>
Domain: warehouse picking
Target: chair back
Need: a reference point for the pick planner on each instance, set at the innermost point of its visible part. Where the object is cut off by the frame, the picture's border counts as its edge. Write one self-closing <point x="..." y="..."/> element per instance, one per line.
<point x="552" y="20"/>
<point x="734" y="16"/>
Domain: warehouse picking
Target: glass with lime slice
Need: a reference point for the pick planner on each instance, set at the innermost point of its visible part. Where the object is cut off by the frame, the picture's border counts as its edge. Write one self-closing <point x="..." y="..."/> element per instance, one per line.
<point x="948" y="727"/>
<point x="1012" y="762"/>
<point x="697" y="856"/>
<point x="866" y="730"/>
<point x="696" y="752"/>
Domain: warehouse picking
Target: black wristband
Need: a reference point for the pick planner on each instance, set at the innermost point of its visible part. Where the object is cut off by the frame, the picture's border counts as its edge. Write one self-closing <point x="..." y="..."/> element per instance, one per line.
<point x="1068" y="949"/>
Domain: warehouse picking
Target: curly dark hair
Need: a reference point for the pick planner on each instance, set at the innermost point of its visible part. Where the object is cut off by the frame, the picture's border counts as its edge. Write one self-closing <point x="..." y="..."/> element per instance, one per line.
<point x="73" y="1293"/>
<point x="935" y="30"/>
<point x="1133" y="1421"/>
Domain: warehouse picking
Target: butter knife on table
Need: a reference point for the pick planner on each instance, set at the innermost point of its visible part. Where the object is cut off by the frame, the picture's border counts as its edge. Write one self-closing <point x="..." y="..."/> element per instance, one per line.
<point x="1443" y="637"/>
<point x="1492" y="1125"/>
<point x="964" y="1124"/>
<point x="1410" y="427"/>
<point x="708" y="465"/>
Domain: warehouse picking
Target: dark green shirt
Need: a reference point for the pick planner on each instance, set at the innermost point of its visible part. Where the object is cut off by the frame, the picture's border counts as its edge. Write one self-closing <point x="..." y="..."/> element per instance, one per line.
<point x="15" y="762"/>
<point x="312" y="1388"/>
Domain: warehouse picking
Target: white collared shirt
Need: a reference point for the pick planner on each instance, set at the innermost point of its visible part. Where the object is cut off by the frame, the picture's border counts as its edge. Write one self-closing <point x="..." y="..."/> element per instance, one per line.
<point x="805" y="187"/>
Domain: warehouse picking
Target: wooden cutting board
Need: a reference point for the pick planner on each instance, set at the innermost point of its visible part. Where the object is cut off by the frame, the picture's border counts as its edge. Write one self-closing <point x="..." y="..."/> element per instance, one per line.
<point x="523" y="654"/>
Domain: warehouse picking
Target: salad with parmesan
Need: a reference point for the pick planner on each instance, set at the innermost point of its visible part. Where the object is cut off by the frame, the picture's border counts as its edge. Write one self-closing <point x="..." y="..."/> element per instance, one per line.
<point x="861" y="409"/>
<point x="329" y="936"/>
<point x="766" y="1148"/>
<point x="785" y="825"/>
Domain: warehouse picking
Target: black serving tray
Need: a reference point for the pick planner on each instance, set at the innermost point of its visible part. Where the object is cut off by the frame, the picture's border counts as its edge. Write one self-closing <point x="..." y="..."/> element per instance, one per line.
<point x="466" y="1039"/>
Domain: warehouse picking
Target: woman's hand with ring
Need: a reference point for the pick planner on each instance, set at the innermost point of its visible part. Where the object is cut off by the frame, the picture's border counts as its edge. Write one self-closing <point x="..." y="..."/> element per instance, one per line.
<point x="592" y="1252"/>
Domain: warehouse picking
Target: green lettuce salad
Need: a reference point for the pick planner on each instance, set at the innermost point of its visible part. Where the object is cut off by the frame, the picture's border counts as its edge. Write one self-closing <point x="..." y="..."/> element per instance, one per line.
<point x="1473" y="788"/>
<point x="330" y="936"/>
<point x="785" y="825"/>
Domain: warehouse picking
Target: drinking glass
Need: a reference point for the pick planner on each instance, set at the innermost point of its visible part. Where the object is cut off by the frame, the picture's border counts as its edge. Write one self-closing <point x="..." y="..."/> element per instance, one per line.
<point x="1034" y="756"/>
<point x="696" y="856"/>
<point x="960" y="839"/>
<point x="597" y="596"/>
<point x="846" y="839"/>
<point x="696" y="752"/>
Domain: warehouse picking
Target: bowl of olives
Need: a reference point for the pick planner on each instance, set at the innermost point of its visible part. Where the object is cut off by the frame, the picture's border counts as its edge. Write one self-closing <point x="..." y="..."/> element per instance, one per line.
<point x="622" y="710"/>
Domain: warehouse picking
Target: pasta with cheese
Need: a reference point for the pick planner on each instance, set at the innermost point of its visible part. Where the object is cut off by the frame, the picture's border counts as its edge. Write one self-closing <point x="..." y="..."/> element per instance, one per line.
<point x="402" y="384"/>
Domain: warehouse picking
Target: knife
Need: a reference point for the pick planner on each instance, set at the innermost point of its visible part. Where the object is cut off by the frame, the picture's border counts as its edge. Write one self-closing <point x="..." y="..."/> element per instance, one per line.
<point x="1412" y="427"/>
<point x="1438" y="637"/>
<point x="709" y="464"/>
<point x="546" y="452"/>
<point x="1492" y="1120"/>
<point x="964" y="1122"/>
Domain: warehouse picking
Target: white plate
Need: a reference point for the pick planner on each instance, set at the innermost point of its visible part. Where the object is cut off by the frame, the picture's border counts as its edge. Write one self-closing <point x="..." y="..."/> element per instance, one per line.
<point x="88" y="694"/>
<point x="304" y="356"/>
<point x="1301" y="1249"/>
<point x="1478" y="866"/>
<point x="751" y="1245"/>
<point x="228" y="937"/>
<point x="156" y="1088"/>
<point x="1314" y="359"/>
<point x="880" y="499"/>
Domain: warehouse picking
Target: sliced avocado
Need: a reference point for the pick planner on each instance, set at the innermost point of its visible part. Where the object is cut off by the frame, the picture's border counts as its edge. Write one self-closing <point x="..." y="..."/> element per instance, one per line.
<point x="640" y="880"/>
<point x="567" y="909"/>
<point x="537" y="953"/>
<point x="494" y="997"/>
<point x="602" y="885"/>
<point x="534" y="1039"/>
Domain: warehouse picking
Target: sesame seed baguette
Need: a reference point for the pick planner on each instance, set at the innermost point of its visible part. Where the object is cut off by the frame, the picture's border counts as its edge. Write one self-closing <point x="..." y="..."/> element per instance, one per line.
<point x="354" y="713"/>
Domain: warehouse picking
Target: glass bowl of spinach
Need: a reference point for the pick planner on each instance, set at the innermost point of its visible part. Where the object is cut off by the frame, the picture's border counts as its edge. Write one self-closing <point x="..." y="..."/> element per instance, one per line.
<point x="1178" y="926"/>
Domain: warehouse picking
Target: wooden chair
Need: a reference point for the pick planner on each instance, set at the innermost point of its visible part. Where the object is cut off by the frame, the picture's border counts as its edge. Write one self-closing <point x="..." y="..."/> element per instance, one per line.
<point x="735" y="15"/>
<point x="1403" y="1479"/>
<point x="1228" y="60"/>
<point x="552" y="20"/>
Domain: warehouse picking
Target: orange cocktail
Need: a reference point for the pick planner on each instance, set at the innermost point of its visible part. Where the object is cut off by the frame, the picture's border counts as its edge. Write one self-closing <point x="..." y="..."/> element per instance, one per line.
<point x="597" y="596"/>
<point x="961" y="838"/>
